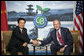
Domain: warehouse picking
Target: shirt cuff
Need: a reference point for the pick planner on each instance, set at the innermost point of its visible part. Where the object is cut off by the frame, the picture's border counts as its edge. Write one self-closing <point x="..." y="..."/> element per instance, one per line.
<point x="39" y="43"/>
<point x="66" y="45"/>
<point x="31" y="41"/>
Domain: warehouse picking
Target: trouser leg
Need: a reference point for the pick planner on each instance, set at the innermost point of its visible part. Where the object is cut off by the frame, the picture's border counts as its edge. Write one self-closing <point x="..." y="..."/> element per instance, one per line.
<point x="25" y="50"/>
<point x="14" y="51"/>
<point x="54" y="49"/>
<point x="67" y="51"/>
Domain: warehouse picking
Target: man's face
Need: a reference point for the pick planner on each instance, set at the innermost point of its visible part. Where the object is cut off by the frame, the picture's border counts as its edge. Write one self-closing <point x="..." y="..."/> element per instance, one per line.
<point x="56" y="24"/>
<point x="21" y="23"/>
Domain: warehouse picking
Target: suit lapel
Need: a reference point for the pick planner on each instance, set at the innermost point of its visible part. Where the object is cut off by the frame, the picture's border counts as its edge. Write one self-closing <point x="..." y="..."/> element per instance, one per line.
<point x="18" y="29"/>
<point x="54" y="35"/>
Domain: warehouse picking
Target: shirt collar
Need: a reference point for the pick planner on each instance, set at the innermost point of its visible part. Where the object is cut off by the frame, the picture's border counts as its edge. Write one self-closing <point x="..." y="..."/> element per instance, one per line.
<point x="59" y="29"/>
<point x="21" y="29"/>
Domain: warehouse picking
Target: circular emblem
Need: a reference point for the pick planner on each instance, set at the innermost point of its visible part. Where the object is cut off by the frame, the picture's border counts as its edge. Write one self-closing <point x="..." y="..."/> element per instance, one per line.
<point x="40" y="21"/>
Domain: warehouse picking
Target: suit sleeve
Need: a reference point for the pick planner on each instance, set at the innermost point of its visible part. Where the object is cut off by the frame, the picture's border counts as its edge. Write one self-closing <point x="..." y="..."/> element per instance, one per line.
<point x="47" y="40"/>
<point x="27" y="38"/>
<point x="70" y="38"/>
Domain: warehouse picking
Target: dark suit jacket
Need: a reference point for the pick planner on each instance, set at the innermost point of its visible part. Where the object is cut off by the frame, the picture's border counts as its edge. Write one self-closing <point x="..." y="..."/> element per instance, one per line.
<point x="17" y="39"/>
<point x="66" y="36"/>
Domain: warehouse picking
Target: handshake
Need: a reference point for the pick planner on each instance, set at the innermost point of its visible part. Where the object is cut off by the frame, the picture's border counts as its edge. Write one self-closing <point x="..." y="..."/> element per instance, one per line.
<point x="35" y="42"/>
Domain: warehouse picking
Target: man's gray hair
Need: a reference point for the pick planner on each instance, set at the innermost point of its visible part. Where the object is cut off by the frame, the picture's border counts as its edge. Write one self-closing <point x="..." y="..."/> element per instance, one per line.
<point x="57" y="20"/>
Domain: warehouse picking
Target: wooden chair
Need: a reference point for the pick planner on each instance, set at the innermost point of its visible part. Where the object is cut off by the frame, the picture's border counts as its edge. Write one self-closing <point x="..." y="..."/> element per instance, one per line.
<point x="6" y="36"/>
<point x="75" y="35"/>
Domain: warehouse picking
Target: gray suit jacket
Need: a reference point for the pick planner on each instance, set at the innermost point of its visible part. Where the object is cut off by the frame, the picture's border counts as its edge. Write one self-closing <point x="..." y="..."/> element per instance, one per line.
<point x="66" y="36"/>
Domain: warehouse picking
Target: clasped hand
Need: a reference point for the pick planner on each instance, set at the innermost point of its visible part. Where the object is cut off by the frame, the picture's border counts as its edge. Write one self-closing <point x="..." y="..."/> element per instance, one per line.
<point x="35" y="42"/>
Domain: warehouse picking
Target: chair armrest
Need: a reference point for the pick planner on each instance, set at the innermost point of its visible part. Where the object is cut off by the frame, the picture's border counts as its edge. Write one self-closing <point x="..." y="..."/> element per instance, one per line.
<point x="73" y="47"/>
<point x="4" y="47"/>
<point x="4" y="51"/>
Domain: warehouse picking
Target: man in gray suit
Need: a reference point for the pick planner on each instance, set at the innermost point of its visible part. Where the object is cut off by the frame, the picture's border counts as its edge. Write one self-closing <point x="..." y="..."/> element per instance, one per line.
<point x="61" y="37"/>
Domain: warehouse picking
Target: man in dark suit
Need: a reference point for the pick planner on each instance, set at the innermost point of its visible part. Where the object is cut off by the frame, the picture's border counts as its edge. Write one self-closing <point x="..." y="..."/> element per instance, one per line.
<point x="61" y="37"/>
<point x="19" y="39"/>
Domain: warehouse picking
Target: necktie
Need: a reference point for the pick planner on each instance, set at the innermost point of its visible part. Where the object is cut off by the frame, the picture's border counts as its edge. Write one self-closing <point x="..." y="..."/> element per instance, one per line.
<point x="60" y="38"/>
<point x="22" y="31"/>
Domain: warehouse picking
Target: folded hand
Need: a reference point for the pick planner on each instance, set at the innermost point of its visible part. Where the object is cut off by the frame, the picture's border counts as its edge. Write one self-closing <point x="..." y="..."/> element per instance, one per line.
<point x="24" y="44"/>
<point x="62" y="49"/>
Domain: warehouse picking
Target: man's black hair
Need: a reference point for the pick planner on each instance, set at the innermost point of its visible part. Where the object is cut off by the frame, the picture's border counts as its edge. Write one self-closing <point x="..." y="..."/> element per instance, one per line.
<point x="21" y="19"/>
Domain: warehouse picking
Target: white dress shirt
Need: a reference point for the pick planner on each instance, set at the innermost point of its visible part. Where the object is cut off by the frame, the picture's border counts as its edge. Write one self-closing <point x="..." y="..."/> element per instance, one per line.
<point x="21" y="29"/>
